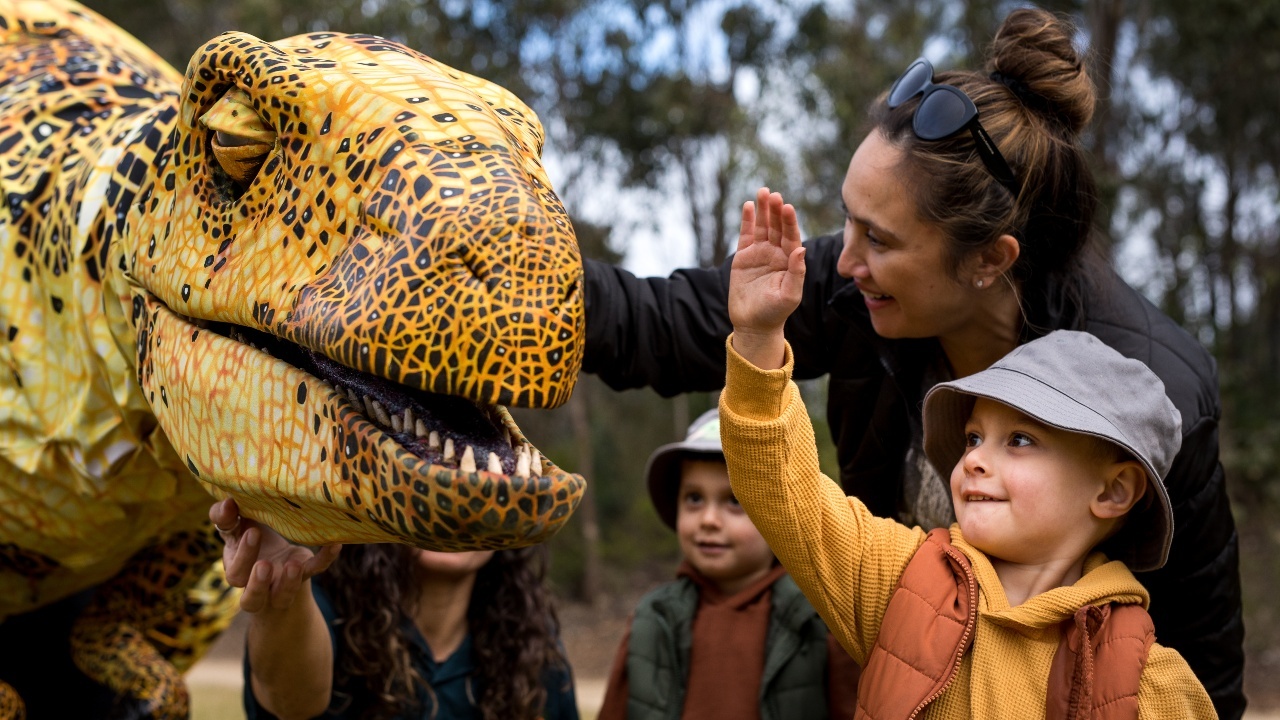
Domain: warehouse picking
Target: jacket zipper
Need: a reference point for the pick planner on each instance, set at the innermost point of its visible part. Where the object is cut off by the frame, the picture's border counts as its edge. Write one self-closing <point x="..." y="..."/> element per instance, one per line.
<point x="972" y="586"/>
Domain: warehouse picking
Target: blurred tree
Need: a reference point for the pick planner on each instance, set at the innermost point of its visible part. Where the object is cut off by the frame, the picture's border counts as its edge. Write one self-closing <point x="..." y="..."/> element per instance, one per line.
<point x="663" y="90"/>
<point x="484" y="37"/>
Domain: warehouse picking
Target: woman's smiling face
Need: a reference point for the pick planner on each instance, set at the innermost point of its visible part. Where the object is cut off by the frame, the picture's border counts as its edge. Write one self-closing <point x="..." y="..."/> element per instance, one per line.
<point x="899" y="263"/>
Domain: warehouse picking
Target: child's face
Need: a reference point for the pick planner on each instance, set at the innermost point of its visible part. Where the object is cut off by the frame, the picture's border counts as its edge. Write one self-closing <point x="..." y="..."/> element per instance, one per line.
<point x="1022" y="491"/>
<point x="716" y="536"/>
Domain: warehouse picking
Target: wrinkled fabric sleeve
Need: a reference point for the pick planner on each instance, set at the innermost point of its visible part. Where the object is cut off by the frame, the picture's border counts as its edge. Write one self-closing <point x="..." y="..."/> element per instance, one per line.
<point x="1169" y="690"/>
<point x="668" y="333"/>
<point x="846" y="560"/>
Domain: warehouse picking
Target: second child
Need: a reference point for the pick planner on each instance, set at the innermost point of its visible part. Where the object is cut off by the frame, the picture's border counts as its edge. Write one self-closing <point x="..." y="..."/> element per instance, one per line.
<point x="732" y="636"/>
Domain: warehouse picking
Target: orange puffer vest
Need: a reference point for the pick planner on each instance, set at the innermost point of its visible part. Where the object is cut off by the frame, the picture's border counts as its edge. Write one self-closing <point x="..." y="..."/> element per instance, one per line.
<point x="929" y="625"/>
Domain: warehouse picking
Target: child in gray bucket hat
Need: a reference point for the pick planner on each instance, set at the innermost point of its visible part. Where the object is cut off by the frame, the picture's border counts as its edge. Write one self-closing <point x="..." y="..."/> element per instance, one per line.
<point x="1072" y="381"/>
<point x="1027" y="606"/>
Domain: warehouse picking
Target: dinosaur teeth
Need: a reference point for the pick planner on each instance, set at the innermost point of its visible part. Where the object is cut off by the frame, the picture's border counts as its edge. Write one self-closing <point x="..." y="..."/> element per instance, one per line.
<point x="527" y="459"/>
<point x="536" y="462"/>
<point x="522" y="462"/>
<point x="380" y="413"/>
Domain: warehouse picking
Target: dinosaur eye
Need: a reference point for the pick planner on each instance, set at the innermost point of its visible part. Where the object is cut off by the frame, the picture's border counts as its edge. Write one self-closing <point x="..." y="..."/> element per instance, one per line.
<point x="240" y="140"/>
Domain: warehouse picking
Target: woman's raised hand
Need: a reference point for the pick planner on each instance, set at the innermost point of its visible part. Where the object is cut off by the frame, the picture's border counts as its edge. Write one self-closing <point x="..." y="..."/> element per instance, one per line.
<point x="269" y="568"/>
<point x="766" y="280"/>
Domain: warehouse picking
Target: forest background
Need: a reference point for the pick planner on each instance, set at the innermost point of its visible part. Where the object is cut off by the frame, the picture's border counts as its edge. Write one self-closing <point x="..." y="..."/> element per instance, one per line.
<point x="663" y="116"/>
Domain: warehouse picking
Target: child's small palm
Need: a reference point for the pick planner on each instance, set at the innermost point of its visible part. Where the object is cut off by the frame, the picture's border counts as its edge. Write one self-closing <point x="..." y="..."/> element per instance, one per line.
<point x="767" y="276"/>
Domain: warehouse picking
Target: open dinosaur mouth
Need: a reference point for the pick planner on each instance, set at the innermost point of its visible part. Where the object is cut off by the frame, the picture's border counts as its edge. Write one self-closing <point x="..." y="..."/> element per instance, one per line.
<point x="444" y="430"/>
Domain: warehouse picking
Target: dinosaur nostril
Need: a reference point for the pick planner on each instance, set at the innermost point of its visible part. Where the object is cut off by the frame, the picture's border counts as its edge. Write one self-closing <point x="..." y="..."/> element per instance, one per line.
<point x="227" y="140"/>
<point x="241" y="160"/>
<point x="240" y="140"/>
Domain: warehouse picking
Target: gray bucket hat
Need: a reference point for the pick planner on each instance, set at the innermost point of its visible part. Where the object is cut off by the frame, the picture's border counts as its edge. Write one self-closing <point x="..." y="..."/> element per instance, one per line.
<point x="1073" y="381"/>
<point x="662" y="473"/>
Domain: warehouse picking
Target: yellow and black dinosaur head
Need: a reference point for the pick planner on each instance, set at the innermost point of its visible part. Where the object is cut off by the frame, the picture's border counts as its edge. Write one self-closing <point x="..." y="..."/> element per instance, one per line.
<point x="309" y="276"/>
<point x="344" y="260"/>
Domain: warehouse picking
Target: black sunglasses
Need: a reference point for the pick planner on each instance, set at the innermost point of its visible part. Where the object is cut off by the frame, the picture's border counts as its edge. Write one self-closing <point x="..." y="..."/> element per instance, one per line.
<point x="945" y="110"/>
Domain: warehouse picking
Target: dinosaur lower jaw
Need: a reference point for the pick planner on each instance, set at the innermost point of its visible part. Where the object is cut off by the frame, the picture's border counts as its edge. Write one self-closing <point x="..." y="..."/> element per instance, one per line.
<point x="444" y="430"/>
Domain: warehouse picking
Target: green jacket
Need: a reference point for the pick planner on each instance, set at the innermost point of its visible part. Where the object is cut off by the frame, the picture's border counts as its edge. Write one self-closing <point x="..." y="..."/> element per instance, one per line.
<point x="795" y="665"/>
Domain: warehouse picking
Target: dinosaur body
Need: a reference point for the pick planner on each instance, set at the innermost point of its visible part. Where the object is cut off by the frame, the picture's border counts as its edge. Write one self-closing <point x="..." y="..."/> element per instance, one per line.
<point x="308" y="274"/>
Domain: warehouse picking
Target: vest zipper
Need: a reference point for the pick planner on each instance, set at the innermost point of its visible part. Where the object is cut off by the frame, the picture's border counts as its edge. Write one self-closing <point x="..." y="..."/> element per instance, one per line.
<point x="972" y="586"/>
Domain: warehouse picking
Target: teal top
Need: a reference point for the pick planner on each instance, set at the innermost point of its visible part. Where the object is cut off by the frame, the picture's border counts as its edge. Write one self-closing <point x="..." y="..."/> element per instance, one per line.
<point x="450" y="681"/>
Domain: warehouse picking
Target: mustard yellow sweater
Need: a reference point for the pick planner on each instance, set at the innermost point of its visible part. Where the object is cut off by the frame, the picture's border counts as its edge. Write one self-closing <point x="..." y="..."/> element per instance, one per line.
<point x="848" y="562"/>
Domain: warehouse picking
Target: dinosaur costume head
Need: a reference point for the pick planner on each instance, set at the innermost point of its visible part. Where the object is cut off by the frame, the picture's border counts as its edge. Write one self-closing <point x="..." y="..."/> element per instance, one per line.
<point x="350" y="254"/>
<point x="307" y="275"/>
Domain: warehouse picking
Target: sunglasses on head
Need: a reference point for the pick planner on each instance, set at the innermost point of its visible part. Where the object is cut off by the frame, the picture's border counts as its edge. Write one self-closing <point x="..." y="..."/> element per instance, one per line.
<point x="945" y="110"/>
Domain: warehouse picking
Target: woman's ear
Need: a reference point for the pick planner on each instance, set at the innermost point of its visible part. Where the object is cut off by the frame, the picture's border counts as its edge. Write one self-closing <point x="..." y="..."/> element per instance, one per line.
<point x="1123" y="486"/>
<point x="995" y="260"/>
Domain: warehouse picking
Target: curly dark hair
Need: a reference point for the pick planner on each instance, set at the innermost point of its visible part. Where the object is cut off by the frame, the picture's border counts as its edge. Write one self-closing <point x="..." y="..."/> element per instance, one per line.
<point x="511" y="618"/>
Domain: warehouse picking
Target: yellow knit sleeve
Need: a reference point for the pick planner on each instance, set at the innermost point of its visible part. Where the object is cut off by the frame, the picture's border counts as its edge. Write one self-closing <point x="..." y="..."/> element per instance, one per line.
<point x="1169" y="690"/>
<point x="846" y="560"/>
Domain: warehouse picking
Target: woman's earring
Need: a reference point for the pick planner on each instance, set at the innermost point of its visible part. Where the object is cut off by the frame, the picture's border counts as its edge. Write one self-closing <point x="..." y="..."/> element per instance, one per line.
<point x="979" y="282"/>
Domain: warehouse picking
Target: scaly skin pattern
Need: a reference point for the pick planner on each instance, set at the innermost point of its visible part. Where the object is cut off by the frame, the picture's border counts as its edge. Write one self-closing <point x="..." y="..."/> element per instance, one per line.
<point x="307" y="275"/>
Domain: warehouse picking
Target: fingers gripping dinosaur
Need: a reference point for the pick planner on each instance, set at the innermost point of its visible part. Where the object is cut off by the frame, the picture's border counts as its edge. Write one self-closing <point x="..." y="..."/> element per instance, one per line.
<point x="309" y="274"/>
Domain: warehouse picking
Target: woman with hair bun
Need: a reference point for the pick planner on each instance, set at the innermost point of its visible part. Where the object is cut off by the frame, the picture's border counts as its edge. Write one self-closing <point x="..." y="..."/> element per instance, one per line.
<point x="969" y="212"/>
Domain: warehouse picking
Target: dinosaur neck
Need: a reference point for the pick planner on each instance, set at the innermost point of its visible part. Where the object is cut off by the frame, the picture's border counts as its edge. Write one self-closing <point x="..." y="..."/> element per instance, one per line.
<point x="143" y="143"/>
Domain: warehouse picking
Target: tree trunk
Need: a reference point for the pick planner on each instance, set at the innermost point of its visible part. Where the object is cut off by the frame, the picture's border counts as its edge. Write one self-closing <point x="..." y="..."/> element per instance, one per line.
<point x="579" y="414"/>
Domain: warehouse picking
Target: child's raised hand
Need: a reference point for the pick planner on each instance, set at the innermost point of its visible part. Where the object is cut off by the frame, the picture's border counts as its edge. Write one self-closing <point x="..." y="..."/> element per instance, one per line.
<point x="766" y="280"/>
<point x="269" y="568"/>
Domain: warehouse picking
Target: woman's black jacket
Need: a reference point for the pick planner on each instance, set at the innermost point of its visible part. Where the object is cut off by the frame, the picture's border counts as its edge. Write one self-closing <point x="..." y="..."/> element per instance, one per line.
<point x="668" y="334"/>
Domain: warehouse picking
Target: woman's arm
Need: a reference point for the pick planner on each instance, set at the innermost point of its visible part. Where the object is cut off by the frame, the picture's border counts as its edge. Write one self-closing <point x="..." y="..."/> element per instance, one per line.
<point x="668" y="333"/>
<point x="290" y="650"/>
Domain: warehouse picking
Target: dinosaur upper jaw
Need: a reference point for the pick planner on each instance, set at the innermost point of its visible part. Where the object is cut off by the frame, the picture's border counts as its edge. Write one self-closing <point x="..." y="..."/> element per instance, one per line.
<point x="299" y="454"/>
<point x="445" y="430"/>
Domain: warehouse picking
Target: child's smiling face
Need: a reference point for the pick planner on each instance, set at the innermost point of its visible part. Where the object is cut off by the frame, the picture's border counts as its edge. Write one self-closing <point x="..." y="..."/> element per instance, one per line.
<point x="1023" y="490"/>
<point x="716" y="536"/>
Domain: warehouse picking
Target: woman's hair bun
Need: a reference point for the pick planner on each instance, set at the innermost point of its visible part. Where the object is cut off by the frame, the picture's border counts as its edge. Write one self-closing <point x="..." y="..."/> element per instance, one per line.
<point x="1034" y="54"/>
